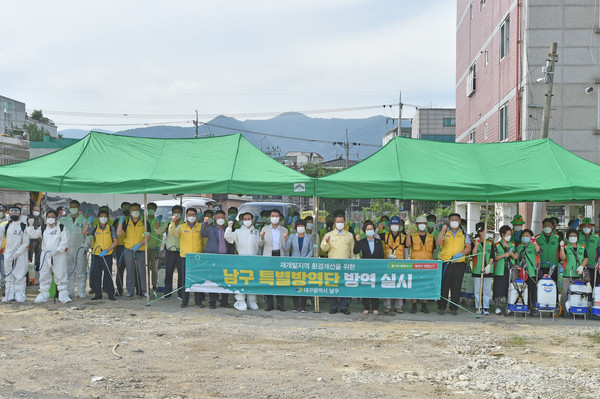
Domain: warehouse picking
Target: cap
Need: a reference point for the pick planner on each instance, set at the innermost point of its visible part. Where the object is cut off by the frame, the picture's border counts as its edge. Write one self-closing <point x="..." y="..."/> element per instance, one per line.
<point x="421" y="219"/>
<point x="395" y="220"/>
<point x="518" y="219"/>
<point x="587" y="221"/>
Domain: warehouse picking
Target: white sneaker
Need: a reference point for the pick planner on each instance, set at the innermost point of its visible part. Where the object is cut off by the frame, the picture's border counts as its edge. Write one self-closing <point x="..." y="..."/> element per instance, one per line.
<point x="253" y="305"/>
<point x="498" y="311"/>
<point x="486" y="312"/>
<point x="64" y="297"/>
<point x="42" y="297"/>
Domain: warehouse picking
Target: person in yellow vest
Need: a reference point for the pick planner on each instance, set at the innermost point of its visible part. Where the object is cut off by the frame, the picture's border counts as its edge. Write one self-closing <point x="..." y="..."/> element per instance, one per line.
<point x="422" y="245"/>
<point x="125" y="210"/>
<point x="190" y="241"/>
<point x="455" y="246"/>
<point x="104" y="243"/>
<point x="135" y="231"/>
<point x="393" y="248"/>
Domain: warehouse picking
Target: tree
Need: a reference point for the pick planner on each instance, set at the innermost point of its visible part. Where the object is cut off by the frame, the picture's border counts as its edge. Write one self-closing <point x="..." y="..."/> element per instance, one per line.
<point x="317" y="170"/>
<point x="38" y="115"/>
<point x="35" y="132"/>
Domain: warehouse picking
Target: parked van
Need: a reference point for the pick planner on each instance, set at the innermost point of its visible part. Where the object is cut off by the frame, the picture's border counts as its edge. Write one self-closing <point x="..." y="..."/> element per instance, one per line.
<point x="164" y="206"/>
<point x="255" y="208"/>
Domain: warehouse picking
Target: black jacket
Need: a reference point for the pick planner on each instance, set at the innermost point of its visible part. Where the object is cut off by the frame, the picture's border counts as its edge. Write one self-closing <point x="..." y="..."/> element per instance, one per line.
<point x="363" y="246"/>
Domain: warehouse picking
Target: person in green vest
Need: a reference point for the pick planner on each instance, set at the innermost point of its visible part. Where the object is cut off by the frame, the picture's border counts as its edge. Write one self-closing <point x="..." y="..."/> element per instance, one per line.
<point x="153" y="245"/>
<point x="505" y="255"/>
<point x="575" y="255"/>
<point x="592" y="245"/>
<point x="527" y="252"/>
<point x="431" y="229"/>
<point x="517" y="230"/>
<point x="549" y="242"/>
<point x="483" y="265"/>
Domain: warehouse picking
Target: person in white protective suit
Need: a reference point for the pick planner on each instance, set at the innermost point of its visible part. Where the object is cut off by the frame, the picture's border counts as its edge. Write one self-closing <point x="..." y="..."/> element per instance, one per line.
<point x="3" y="220"/>
<point x="246" y="242"/>
<point x="15" y="264"/>
<point x="53" y="257"/>
<point x="74" y="223"/>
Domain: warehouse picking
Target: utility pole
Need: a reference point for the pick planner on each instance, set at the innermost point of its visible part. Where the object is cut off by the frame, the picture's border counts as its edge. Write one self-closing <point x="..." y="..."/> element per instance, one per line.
<point x="346" y="145"/>
<point x="399" y="114"/>
<point x="196" y="123"/>
<point x="536" y="214"/>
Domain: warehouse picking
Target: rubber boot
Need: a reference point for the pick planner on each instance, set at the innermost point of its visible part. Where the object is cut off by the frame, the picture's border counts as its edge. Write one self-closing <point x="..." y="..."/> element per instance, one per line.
<point x="413" y="310"/>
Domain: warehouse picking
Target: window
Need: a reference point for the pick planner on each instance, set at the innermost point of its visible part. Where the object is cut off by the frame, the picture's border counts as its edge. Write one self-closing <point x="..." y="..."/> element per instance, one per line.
<point x="471" y="80"/>
<point x="504" y="33"/>
<point x="449" y="122"/>
<point x="472" y="136"/>
<point x="503" y="123"/>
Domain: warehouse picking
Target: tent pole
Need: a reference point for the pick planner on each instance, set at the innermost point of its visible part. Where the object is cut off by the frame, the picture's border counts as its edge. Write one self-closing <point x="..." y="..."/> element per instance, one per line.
<point x="316" y="241"/>
<point x="146" y="250"/>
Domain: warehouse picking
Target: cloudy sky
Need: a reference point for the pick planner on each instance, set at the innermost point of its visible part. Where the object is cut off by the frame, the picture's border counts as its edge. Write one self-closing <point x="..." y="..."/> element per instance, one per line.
<point x="159" y="61"/>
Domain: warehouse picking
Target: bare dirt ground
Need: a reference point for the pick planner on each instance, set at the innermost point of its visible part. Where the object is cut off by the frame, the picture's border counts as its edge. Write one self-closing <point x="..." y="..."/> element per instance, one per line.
<point x="66" y="351"/>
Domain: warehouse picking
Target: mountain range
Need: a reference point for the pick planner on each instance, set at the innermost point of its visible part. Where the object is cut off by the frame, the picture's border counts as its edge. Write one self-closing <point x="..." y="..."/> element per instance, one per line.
<point x="297" y="130"/>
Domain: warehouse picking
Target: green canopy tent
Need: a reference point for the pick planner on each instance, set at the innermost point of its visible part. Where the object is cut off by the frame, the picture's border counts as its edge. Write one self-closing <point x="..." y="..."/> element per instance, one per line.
<point x="106" y="163"/>
<point x="524" y="171"/>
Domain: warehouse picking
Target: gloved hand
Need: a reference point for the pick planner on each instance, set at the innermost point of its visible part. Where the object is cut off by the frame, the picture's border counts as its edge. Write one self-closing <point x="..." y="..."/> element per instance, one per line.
<point x="159" y="218"/>
<point x="457" y="256"/>
<point x="580" y="270"/>
<point x="229" y="224"/>
<point x="30" y="221"/>
<point x="136" y="247"/>
<point x="487" y="269"/>
<point x="103" y="253"/>
<point x="534" y="240"/>
<point x="121" y="219"/>
<point x="91" y="220"/>
<point x="53" y="253"/>
<point x="562" y="243"/>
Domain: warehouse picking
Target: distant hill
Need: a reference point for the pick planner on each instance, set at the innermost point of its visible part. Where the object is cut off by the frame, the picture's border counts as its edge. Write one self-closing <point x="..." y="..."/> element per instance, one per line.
<point x="293" y="125"/>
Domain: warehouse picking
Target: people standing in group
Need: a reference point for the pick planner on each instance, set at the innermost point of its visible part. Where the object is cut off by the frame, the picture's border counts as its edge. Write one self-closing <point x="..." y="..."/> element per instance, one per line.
<point x="575" y="256"/>
<point x="505" y="255"/>
<point x="528" y="252"/>
<point x="172" y="259"/>
<point x="190" y="241"/>
<point x="483" y="263"/>
<point x="74" y="223"/>
<point x="592" y="245"/>
<point x="216" y="244"/>
<point x="272" y="239"/>
<point x="394" y="244"/>
<point x="455" y="246"/>
<point x="105" y="242"/>
<point x="301" y="244"/>
<point x="422" y="246"/>
<point x="135" y="231"/>
<point x="370" y="248"/>
<point x="339" y="244"/>
<point x="15" y="256"/>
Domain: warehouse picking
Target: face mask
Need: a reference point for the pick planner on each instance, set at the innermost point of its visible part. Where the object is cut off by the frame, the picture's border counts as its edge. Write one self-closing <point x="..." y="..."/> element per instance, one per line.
<point x="177" y="215"/>
<point x="210" y="220"/>
<point x="50" y="221"/>
<point x="274" y="220"/>
<point x="135" y="214"/>
<point x="309" y="226"/>
<point x="103" y="220"/>
<point x="586" y="230"/>
<point x="572" y="239"/>
<point x="74" y="211"/>
<point x="220" y="222"/>
<point x="301" y="229"/>
<point x="370" y="233"/>
<point x="454" y="224"/>
<point x="14" y="218"/>
<point x="431" y="225"/>
<point x="340" y="226"/>
<point x="489" y="236"/>
<point x="191" y="219"/>
<point x="518" y="228"/>
<point x="395" y="228"/>
<point x="36" y="213"/>
<point x="526" y="240"/>
<point x="126" y="212"/>
<point x="547" y="230"/>
<point x="421" y="227"/>
<point x="507" y="238"/>
<point x="247" y="223"/>
<point x="151" y="212"/>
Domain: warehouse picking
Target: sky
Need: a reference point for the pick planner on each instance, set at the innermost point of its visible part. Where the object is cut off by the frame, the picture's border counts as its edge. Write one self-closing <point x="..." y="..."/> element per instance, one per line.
<point x="118" y="64"/>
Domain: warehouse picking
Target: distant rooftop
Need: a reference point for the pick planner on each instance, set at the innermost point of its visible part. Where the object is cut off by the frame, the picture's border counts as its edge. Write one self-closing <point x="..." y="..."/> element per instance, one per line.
<point x="51" y="142"/>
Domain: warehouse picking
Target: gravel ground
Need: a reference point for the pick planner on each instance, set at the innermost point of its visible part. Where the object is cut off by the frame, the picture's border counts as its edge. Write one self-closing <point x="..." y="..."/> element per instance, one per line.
<point x="66" y="351"/>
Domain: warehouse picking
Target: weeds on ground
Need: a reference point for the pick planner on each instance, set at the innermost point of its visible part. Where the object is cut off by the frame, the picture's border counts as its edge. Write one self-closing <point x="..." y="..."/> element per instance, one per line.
<point x="594" y="336"/>
<point x="516" y="340"/>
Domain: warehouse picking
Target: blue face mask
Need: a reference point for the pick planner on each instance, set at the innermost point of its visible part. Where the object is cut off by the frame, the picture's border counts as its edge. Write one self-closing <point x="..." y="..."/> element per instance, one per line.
<point x="370" y="233"/>
<point x="526" y="240"/>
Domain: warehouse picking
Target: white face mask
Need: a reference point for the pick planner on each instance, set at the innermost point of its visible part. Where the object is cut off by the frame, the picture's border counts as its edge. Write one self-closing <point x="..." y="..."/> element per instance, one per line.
<point x="191" y="219"/>
<point x="489" y="236"/>
<point x="507" y="238"/>
<point x="247" y="223"/>
<point x="301" y="229"/>
<point x="547" y="230"/>
<point x="340" y="226"/>
<point x="518" y="228"/>
<point x="526" y="240"/>
<point x="220" y="222"/>
<point x="421" y="226"/>
<point x="36" y="213"/>
<point x="395" y="228"/>
<point x="309" y="226"/>
<point x="103" y="220"/>
<point x="370" y="233"/>
<point x="586" y="230"/>
<point x="74" y="211"/>
<point x="50" y="221"/>
<point x="135" y="214"/>
<point x="454" y="224"/>
<point x="572" y="240"/>
<point x="274" y="220"/>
